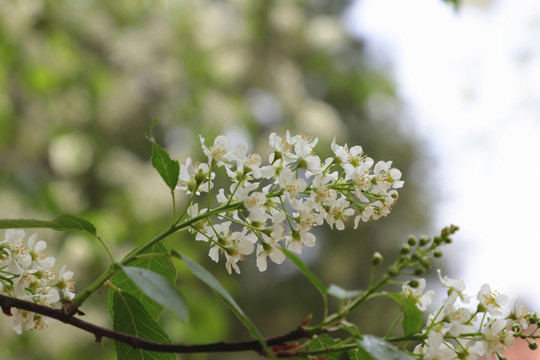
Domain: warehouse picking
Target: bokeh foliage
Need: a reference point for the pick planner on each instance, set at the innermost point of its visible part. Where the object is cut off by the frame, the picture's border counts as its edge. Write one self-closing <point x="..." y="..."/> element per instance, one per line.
<point x="82" y="83"/>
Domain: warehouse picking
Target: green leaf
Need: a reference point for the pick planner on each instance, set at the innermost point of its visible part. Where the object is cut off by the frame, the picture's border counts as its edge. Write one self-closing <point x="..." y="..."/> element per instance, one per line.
<point x="159" y="289"/>
<point x="168" y="169"/>
<point x="324" y="342"/>
<point x="220" y="291"/>
<point x="321" y="342"/>
<point x="300" y="264"/>
<point x="342" y="294"/>
<point x="130" y="317"/>
<point x="159" y="264"/>
<point x="380" y="349"/>
<point x="60" y="223"/>
<point x="412" y="317"/>
<point x="359" y="354"/>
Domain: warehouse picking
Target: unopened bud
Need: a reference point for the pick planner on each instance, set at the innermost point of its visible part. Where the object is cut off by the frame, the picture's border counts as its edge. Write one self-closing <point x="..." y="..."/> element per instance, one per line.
<point x="201" y="176"/>
<point x="419" y="271"/>
<point x="393" y="271"/>
<point x="412" y="241"/>
<point x="377" y="258"/>
<point x="481" y="308"/>
<point x="533" y="345"/>
<point x="424" y="240"/>
<point x="437" y="254"/>
<point x="405" y="249"/>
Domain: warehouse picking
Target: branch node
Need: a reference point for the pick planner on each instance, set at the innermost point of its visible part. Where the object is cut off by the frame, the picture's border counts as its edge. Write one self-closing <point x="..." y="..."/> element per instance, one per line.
<point x="70" y="308"/>
<point x="99" y="339"/>
<point x="6" y="309"/>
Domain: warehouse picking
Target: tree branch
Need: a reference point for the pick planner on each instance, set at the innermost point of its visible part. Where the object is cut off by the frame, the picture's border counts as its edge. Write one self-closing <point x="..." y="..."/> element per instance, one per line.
<point x="279" y="342"/>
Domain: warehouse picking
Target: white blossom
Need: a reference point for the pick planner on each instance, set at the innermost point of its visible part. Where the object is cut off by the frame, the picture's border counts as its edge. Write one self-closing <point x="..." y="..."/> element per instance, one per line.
<point x="28" y="275"/>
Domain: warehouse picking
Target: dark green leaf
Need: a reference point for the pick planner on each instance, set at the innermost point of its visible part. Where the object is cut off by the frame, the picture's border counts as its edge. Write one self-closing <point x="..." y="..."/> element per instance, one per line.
<point x="380" y="349"/>
<point x="342" y="294"/>
<point x="159" y="289"/>
<point x="61" y="223"/>
<point x="220" y="291"/>
<point x="129" y="316"/>
<point x="167" y="168"/>
<point x="159" y="264"/>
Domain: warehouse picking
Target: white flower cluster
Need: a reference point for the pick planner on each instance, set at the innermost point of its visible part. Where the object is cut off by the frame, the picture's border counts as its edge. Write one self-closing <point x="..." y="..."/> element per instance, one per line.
<point x="457" y="331"/>
<point x="26" y="274"/>
<point x="274" y="205"/>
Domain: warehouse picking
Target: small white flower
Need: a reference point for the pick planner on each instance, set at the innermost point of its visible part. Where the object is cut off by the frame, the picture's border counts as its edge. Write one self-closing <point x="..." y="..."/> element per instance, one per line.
<point x="282" y="150"/>
<point x="65" y="283"/>
<point x="520" y="315"/>
<point x="415" y="294"/>
<point x="193" y="174"/>
<point x="291" y="185"/>
<point x="454" y="284"/>
<point x="219" y="152"/>
<point x="492" y="301"/>
<point x="271" y="250"/>
<point x="435" y="348"/>
<point x="339" y="213"/>
<point x="254" y="203"/>
<point x="496" y="338"/>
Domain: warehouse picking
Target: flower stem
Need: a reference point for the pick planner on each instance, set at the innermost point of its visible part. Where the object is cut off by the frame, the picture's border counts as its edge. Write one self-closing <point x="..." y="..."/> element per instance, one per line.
<point x="114" y="268"/>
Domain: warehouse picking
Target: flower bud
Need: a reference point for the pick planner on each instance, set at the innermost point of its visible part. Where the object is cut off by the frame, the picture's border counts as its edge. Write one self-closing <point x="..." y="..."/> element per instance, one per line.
<point x="437" y="254"/>
<point x="201" y="176"/>
<point x="404" y="259"/>
<point x="377" y="258"/>
<point x="192" y="184"/>
<point x="533" y="345"/>
<point x="412" y="241"/>
<point x="419" y="271"/>
<point x="424" y="240"/>
<point x="405" y="249"/>
<point x="393" y="270"/>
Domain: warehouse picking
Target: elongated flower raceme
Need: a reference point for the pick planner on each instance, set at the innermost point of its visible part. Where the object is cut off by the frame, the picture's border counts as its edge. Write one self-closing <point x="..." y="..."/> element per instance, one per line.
<point x="307" y="190"/>
<point x="26" y="273"/>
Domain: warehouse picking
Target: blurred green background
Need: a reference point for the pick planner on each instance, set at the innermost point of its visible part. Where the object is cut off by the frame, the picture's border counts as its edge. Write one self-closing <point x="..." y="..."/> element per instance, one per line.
<point x="82" y="82"/>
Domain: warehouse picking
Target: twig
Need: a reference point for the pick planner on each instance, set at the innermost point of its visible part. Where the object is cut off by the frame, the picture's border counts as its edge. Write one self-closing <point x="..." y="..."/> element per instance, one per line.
<point x="7" y="302"/>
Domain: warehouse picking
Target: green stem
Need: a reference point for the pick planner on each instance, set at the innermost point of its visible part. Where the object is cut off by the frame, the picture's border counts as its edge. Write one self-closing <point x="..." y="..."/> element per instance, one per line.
<point x="106" y="248"/>
<point x="94" y="286"/>
<point x="337" y="317"/>
<point x="394" y="324"/>
<point x="173" y="206"/>
<point x="114" y="268"/>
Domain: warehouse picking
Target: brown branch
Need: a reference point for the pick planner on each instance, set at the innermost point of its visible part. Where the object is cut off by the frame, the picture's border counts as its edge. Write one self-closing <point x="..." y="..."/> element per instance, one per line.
<point x="279" y="342"/>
